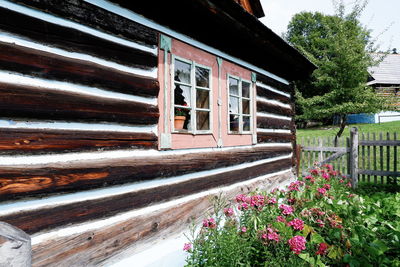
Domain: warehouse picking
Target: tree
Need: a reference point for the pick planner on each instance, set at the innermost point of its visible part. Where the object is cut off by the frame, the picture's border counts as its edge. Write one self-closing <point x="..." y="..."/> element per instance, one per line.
<point x="343" y="51"/>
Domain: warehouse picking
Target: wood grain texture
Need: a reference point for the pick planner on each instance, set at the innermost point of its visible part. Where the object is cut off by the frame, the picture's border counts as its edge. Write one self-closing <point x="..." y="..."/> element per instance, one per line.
<point x="73" y="40"/>
<point x="274" y="109"/>
<point x="274" y="83"/>
<point x="31" y="141"/>
<point x="49" y="66"/>
<point x="89" y="15"/>
<point x="96" y="246"/>
<point x="275" y="137"/>
<point x="39" y="104"/>
<point x="273" y="123"/>
<point x="44" y="219"/>
<point x="36" y="180"/>
<point x="261" y="91"/>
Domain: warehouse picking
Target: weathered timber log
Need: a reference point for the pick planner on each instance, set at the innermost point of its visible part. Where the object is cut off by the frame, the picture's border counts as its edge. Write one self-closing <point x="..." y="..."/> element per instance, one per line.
<point x="18" y="181"/>
<point x="95" y="246"/>
<point x="273" y="123"/>
<point x="271" y="108"/>
<point x="73" y="40"/>
<point x="49" y="66"/>
<point x="15" y="247"/>
<point x="275" y="137"/>
<point x="37" y="103"/>
<point x="274" y="83"/>
<point x="31" y="141"/>
<point x="88" y="14"/>
<point x="44" y="219"/>
<point x="261" y="91"/>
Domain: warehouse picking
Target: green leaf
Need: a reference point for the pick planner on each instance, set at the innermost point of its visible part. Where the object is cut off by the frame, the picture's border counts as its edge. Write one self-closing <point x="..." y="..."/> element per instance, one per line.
<point x="317" y="239"/>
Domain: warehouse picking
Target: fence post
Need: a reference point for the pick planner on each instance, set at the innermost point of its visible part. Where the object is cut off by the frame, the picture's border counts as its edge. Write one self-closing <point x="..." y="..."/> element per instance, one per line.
<point x="15" y="247"/>
<point x="353" y="156"/>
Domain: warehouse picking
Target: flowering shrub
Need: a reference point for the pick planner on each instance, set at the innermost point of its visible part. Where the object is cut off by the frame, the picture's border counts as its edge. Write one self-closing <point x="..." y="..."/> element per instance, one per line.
<point x="316" y="221"/>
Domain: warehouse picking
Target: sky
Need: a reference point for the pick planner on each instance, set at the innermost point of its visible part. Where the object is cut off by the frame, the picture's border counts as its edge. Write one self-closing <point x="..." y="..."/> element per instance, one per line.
<point x="381" y="16"/>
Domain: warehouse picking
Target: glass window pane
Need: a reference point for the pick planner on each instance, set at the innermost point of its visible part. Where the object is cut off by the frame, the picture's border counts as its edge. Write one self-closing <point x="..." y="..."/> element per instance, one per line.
<point x="234" y="123"/>
<point x="245" y="89"/>
<point x="182" y="95"/>
<point x="182" y="119"/>
<point x="246" y="123"/>
<point x="233" y="86"/>
<point x="182" y="71"/>
<point x="233" y="104"/>
<point x="245" y="106"/>
<point x="202" y="77"/>
<point x="203" y="120"/>
<point x="202" y="98"/>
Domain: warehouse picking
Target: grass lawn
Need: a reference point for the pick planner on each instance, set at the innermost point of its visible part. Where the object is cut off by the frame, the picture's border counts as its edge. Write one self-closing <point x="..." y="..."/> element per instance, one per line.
<point x="331" y="131"/>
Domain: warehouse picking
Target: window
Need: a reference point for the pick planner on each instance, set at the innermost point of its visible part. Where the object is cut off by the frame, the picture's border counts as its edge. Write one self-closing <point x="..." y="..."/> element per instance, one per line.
<point x="239" y="105"/>
<point x="191" y="97"/>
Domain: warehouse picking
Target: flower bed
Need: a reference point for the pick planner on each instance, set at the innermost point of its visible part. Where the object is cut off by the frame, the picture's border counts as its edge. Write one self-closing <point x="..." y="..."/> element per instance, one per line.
<point x="316" y="221"/>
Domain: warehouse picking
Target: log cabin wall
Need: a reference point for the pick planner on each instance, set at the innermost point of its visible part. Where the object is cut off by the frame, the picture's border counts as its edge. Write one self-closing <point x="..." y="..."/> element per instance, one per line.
<point x="80" y="168"/>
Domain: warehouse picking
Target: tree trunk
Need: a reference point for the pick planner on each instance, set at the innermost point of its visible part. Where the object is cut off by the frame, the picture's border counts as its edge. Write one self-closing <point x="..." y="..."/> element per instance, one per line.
<point x="342" y="126"/>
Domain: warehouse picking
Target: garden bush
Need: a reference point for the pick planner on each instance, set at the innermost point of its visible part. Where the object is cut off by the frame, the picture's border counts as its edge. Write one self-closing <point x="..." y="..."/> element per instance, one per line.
<point x="317" y="220"/>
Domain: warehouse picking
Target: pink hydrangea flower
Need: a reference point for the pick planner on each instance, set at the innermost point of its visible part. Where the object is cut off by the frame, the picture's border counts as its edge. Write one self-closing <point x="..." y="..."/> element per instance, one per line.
<point x="273" y="236"/>
<point x="314" y="172"/>
<point x="244" y="229"/>
<point x="228" y="212"/>
<point x="257" y="201"/>
<point x="280" y="219"/>
<point x="327" y="186"/>
<point x="308" y="177"/>
<point x="341" y="181"/>
<point x="297" y="224"/>
<point x="348" y="184"/>
<point x="321" y="191"/>
<point x="243" y="206"/>
<point x="209" y="223"/>
<point x="320" y="223"/>
<point x="286" y="209"/>
<point x="328" y="166"/>
<point x="297" y="244"/>
<point x="240" y="198"/>
<point x="272" y="200"/>
<point x="187" y="246"/>
<point x="326" y="176"/>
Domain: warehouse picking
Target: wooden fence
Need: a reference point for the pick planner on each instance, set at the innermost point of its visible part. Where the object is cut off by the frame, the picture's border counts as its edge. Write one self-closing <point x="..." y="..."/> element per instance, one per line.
<point x="370" y="157"/>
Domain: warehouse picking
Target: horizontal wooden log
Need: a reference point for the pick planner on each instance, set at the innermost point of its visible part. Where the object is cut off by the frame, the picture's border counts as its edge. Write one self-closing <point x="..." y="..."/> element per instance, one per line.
<point x="325" y="149"/>
<point x="273" y="123"/>
<point x="274" y="83"/>
<point x="30" y="141"/>
<point x="96" y="246"/>
<point x="73" y="40"/>
<point x="88" y="14"/>
<point x="44" y="219"/>
<point x="53" y="67"/>
<point x="271" y="108"/>
<point x="271" y="95"/>
<point x="379" y="142"/>
<point x="21" y="181"/>
<point x="379" y="173"/>
<point x="275" y="137"/>
<point x="37" y="103"/>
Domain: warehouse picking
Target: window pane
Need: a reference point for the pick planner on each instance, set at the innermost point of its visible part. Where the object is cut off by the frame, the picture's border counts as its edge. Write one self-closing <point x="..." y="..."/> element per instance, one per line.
<point x="203" y="120"/>
<point x="202" y="77"/>
<point x="182" y="95"/>
<point x="182" y="123"/>
<point x="245" y="106"/>
<point x="246" y="123"/>
<point x="233" y="104"/>
<point x="233" y="86"/>
<point x="202" y="98"/>
<point x="234" y="123"/>
<point x="245" y="89"/>
<point x="182" y="71"/>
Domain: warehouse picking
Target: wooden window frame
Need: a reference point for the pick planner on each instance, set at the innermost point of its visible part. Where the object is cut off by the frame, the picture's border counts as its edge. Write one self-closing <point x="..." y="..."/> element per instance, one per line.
<point x="241" y="114"/>
<point x="193" y="90"/>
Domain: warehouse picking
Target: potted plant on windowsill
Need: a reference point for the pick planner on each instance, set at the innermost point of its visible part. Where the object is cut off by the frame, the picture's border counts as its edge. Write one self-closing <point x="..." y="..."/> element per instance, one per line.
<point x="179" y="119"/>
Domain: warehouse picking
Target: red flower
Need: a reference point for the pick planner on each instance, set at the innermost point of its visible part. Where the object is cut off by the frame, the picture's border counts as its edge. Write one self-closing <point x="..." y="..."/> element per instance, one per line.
<point x="297" y="224"/>
<point x="297" y="244"/>
<point x="322" y="249"/>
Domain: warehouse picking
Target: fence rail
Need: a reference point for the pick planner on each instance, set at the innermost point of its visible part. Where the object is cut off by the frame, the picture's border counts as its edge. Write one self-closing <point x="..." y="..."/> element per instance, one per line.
<point x="370" y="157"/>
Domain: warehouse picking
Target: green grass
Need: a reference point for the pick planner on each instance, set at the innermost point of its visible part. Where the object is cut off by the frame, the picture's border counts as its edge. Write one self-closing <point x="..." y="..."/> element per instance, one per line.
<point x="330" y="131"/>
